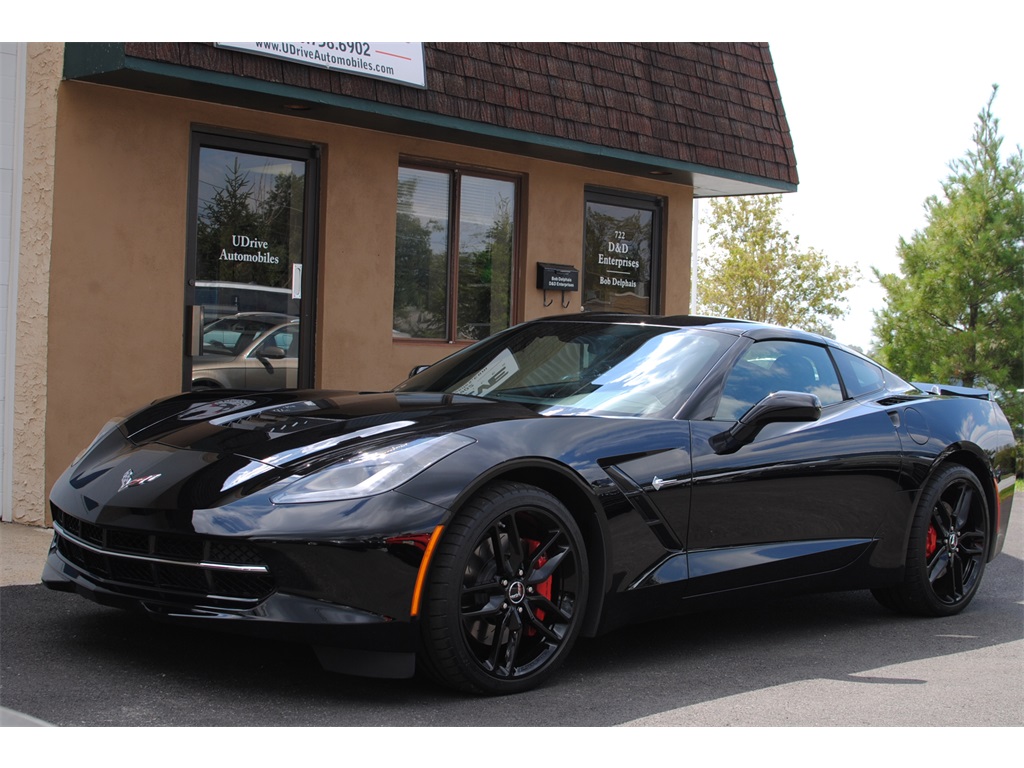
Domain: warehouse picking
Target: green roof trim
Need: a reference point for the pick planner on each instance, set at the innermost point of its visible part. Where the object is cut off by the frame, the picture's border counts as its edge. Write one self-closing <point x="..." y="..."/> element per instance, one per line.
<point x="82" y="60"/>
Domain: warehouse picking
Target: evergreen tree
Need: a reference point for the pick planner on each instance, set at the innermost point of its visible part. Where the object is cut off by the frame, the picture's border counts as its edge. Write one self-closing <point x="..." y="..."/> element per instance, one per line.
<point x="955" y="313"/>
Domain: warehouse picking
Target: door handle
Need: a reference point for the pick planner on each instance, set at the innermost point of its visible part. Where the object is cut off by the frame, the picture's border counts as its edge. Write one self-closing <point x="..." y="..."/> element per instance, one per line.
<point x="196" y="323"/>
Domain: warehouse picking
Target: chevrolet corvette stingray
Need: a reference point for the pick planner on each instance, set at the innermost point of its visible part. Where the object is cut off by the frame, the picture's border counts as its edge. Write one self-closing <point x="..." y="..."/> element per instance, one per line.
<point x="565" y="477"/>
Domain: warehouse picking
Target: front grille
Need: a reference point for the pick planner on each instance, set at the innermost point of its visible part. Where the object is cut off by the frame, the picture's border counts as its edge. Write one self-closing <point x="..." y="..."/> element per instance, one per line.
<point x="195" y="570"/>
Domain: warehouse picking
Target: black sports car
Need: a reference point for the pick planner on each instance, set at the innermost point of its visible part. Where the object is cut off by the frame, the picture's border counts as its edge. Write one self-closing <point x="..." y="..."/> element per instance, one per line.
<point x="564" y="477"/>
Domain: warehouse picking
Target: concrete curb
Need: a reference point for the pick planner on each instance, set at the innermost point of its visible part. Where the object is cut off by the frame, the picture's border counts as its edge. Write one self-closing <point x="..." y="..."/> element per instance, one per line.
<point x="23" y="551"/>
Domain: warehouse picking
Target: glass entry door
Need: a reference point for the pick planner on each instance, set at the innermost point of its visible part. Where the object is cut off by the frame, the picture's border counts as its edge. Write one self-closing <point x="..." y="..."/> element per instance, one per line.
<point x="621" y="253"/>
<point x="250" y="281"/>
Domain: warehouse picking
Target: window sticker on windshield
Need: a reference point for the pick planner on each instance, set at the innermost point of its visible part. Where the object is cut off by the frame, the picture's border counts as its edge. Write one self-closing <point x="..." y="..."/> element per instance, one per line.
<point x="490" y="376"/>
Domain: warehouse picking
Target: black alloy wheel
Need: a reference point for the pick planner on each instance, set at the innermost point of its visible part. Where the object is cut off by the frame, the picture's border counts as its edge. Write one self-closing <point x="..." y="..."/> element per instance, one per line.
<point x="506" y="592"/>
<point x="947" y="550"/>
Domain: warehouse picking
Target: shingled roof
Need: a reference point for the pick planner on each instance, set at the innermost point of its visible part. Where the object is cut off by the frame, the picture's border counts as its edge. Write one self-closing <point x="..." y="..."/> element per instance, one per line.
<point x="709" y="114"/>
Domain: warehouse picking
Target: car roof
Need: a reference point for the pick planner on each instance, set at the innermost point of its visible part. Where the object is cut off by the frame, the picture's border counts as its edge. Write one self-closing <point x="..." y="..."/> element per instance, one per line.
<point x="265" y="317"/>
<point x="750" y="329"/>
<point x="734" y="326"/>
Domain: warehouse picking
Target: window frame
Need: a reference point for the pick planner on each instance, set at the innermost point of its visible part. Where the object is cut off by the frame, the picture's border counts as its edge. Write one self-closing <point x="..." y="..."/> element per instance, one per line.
<point x="825" y="352"/>
<point x="456" y="172"/>
<point x="844" y="361"/>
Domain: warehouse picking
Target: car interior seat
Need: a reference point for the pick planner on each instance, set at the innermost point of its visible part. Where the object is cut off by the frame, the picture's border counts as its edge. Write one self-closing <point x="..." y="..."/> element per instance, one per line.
<point x="794" y="373"/>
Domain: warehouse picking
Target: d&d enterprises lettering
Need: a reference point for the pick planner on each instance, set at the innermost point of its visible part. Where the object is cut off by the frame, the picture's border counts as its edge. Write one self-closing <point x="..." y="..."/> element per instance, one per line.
<point x="616" y="262"/>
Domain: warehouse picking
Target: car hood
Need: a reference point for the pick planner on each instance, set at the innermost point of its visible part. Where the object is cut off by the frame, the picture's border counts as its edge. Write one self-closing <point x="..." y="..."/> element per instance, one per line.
<point x="216" y="361"/>
<point x="205" y="450"/>
<point x="285" y="428"/>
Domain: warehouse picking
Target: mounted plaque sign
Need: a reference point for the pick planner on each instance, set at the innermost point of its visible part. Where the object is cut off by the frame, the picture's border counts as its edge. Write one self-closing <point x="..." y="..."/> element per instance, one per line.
<point x="557" y="277"/>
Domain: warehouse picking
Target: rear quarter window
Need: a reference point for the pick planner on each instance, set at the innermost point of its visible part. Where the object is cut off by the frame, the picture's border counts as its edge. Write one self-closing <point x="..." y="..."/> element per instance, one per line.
<point x="861" y="377"/>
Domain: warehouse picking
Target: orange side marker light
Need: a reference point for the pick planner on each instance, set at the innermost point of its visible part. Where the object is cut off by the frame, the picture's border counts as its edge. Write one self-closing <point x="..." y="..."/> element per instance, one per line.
<point x="421" y="576"/>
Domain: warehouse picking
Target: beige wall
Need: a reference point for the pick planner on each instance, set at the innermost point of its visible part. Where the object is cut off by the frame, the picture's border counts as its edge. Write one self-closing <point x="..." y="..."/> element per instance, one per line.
<point x="119" y="242"/>
<point x="28" y="477"/>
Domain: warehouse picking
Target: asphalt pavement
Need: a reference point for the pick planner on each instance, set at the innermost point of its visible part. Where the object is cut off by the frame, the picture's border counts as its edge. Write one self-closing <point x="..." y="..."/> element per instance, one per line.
<point x="819" y="660"/>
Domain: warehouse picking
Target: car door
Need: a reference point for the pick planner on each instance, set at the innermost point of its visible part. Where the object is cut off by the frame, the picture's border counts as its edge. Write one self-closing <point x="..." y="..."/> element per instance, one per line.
<point x="801" y="498"/>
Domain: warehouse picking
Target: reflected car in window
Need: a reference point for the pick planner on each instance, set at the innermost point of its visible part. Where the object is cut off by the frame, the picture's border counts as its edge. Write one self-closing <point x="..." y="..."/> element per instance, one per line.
<point x="249" y="350"/>
<point x="562" y="478"/>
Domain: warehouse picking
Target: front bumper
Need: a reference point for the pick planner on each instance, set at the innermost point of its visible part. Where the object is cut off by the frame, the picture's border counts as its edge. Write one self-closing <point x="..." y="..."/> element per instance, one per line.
<point x="347" y="639"/>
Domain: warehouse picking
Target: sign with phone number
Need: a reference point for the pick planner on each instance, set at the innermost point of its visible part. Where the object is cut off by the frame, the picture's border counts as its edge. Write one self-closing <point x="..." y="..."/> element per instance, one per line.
<point x="397" y="62"/>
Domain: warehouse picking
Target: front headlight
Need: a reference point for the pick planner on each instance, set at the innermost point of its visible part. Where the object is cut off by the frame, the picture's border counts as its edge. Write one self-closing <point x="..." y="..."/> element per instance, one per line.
<point x="368" y="474"/>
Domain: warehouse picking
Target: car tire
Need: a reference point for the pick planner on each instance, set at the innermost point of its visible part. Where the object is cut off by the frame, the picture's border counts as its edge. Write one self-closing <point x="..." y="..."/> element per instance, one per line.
<point x="947" y="549"/>
<point x="505" y="593"/>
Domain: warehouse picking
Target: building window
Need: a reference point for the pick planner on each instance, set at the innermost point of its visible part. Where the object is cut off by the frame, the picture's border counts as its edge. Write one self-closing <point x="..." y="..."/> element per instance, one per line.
<point x="454" y="251"/>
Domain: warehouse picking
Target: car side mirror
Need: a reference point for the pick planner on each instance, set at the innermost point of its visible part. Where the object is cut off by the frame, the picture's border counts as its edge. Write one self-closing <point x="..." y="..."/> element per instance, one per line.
<point x="418" y="369"/>
<point x="778" y="406"/>
<point x="271" y="353"/>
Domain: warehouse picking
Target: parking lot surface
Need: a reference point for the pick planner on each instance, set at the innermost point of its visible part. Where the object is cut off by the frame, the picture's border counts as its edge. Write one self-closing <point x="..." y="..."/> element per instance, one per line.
<point x="820" y="660"/>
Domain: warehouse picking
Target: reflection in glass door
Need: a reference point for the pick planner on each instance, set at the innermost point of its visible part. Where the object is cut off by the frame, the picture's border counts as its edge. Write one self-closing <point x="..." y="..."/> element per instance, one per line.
<point x="251" y="231"/>
<point x="621" y="258"/>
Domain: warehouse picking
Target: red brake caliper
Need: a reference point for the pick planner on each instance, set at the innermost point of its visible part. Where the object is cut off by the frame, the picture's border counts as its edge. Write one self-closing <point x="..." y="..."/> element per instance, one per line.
<point x="544" y="588"/>
<point x="931" y="542"/>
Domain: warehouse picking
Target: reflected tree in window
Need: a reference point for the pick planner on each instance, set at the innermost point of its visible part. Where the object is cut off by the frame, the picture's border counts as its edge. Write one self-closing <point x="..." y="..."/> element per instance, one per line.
<point x="448" y="286"/>
<point x="281" y="214"/>
<point x="485" y="276"/>
<point x="270" y="218"/>
<point x="421" y="270"/>
<point x="227" y="211"/>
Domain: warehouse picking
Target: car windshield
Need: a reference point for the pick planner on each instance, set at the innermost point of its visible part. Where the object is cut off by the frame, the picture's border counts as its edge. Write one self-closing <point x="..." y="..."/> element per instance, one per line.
<point x="232" y="335"/>
<point x="615" y="369"/>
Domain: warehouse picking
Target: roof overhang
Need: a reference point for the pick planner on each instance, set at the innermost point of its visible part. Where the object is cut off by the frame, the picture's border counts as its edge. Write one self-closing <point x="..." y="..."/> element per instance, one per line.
<point x="107" y="64"/>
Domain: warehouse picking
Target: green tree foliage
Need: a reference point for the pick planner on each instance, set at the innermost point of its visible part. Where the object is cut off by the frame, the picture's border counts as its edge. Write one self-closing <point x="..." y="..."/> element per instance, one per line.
<point x="955" y="313"/>
<point x="753" y="268"/>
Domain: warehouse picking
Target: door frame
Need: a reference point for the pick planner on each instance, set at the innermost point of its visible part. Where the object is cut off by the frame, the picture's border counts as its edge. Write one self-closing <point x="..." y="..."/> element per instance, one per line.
<point x="215" y="138"/>
<point x="640" y="201"/>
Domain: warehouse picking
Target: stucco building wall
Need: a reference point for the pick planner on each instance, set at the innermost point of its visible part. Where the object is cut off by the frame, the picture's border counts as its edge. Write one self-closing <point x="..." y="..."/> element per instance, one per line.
<point x="28" y="481"/>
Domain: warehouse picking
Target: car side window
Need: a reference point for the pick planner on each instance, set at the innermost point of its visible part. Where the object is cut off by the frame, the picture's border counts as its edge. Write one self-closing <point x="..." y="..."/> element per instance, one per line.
<point x="774" y="366"/>
<point x="859" y="375"/>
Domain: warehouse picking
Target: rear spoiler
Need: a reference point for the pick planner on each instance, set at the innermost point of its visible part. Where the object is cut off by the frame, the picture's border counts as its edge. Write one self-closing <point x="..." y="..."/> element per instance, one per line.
<point x="951" y="391"/>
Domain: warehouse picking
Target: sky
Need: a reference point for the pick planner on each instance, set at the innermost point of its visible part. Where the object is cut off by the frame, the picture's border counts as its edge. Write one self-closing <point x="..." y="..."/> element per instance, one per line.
<point x="875" y="123"/>
<point x="880" y="96"/>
